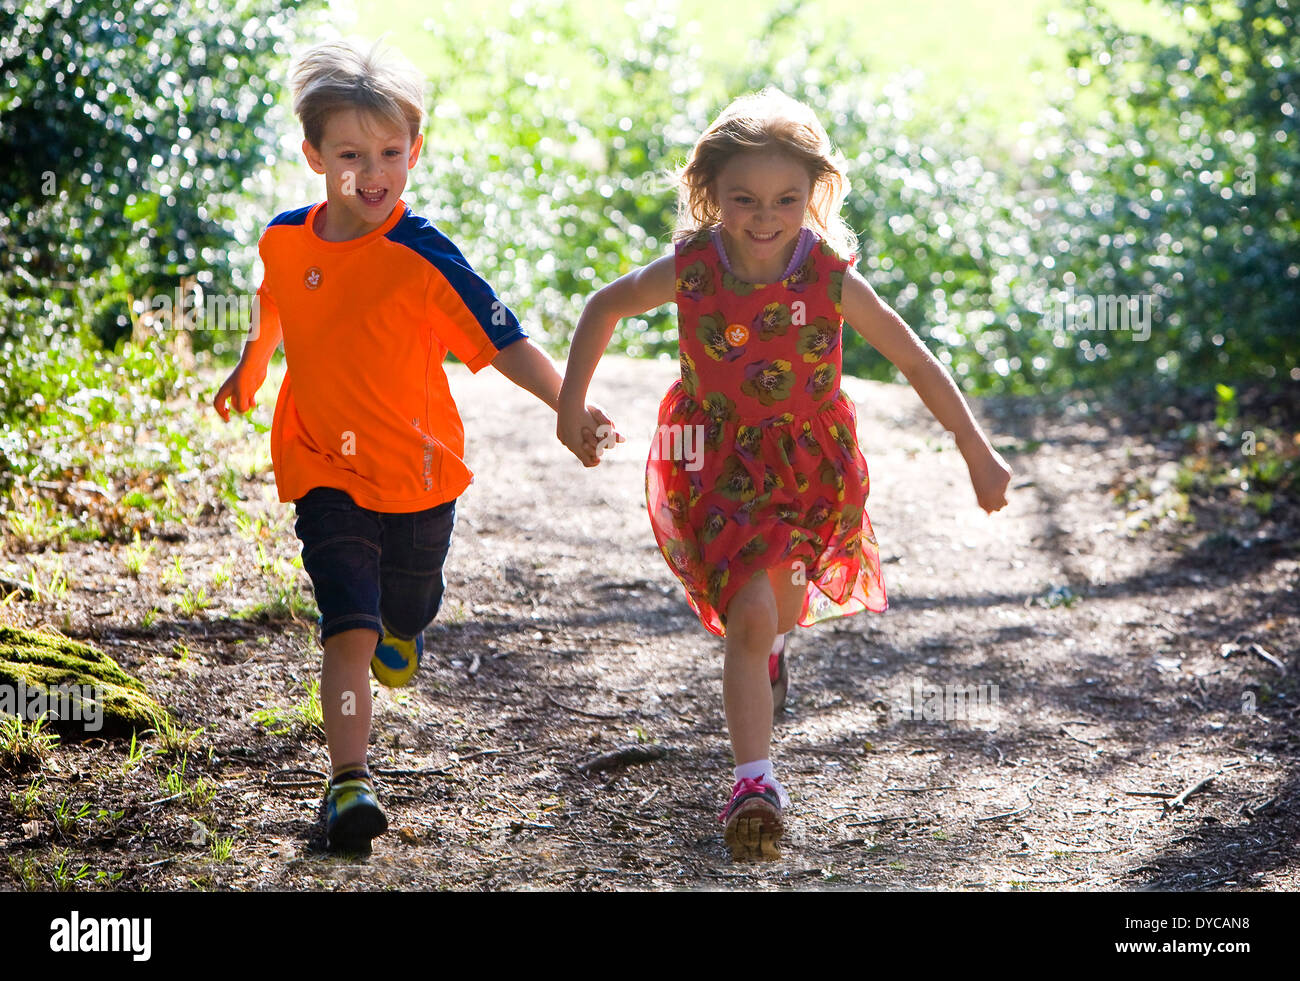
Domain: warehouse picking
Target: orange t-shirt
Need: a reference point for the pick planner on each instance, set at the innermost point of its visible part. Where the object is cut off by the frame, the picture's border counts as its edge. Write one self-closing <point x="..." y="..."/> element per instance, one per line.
<point x="365" y="405"/>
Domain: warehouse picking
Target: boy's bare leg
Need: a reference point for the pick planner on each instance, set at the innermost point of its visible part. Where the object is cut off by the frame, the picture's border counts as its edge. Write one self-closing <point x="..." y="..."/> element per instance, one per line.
<point x="345" y="696"/>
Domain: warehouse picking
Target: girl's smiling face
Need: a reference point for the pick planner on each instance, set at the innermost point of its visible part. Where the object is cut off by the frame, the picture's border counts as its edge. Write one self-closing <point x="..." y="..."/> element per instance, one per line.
<point x="365" y="160"/>
<point x="762" y="198"/>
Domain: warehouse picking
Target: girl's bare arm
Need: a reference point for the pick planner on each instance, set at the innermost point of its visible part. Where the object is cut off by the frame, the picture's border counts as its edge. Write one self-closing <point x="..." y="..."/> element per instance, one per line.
<point x="882" y="328"/>
<point x="639" y="291"/>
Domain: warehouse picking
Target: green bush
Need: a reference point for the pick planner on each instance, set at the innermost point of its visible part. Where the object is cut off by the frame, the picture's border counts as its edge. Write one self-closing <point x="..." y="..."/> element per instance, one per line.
<point x="128" y="131"/>
<point x="1185" y="187"/>
<point x="554" y="191"/>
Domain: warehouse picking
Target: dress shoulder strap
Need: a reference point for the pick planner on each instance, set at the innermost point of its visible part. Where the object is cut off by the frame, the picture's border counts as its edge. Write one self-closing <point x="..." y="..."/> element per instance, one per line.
<point x="823" y="250"/>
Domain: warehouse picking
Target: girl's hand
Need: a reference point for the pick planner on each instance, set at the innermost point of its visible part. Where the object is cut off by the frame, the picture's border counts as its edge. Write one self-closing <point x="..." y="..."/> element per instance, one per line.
<point x="577" y="431"/>
<point x="989" y="475"/>
<point x="606" y="433"/>
<point x="239" y="390"/>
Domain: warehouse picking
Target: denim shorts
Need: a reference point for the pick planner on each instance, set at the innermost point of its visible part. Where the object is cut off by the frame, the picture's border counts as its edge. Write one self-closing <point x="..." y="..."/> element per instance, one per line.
<point x="370" y="569"/>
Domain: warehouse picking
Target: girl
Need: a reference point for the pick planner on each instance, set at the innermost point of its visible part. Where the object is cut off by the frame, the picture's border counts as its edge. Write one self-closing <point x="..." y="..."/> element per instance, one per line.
<point x="767" y="528"/>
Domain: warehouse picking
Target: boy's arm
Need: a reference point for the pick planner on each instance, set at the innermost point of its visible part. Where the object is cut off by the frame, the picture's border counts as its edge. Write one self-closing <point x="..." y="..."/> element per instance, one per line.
<point x="265" y="334"/>
<point x="882" y="328"/>
<point x="263" y="338"/>
<point x="525" y="364"/>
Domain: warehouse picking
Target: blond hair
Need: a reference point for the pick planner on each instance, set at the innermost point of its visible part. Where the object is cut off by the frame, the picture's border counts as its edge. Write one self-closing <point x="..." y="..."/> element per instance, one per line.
<point x="339" y="75"/>
<point x="766" y="121"/>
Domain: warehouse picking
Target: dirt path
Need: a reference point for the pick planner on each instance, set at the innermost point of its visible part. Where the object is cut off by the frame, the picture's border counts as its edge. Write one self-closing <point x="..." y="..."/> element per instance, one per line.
<point x="564" y="636"/>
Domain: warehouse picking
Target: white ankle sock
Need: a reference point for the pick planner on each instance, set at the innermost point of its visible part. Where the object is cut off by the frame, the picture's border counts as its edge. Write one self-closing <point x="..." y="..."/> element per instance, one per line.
<point x="778" y="644"/>
<point x="762" y="770"/>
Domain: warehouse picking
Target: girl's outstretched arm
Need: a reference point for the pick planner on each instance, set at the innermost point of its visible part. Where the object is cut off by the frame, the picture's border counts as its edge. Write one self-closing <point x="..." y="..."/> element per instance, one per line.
<point x="640" y="290"/>
<point x="889" y="334"/>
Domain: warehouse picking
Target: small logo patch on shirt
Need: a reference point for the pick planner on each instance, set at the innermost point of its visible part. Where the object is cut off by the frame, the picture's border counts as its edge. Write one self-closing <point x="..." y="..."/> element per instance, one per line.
<point x="311" y="279"/>
<point x="737" y="335"/>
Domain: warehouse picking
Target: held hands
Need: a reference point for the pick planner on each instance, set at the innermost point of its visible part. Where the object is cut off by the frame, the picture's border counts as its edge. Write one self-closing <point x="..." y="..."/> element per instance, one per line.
<point x="239" y="390"/>
<point x="587" y="433"/>
<point x="989" y="475"/>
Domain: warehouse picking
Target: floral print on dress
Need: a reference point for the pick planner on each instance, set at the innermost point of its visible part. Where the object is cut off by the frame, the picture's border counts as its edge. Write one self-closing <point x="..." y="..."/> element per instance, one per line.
<point x="695" y="281"/>
<point x="803" y="277"/>
<point x="821" y="382"/>
<point x="690" y="381"/>
<point x="749" y="439"/>
<point x="737" y="287"/>
<point x="768" y="381"/>
<point x="817" y="339"/>
<point x="772" y="321"/>
<point x="712" y="334"/>
<point x="835" y="289"/>
<point x="783" y="480"/>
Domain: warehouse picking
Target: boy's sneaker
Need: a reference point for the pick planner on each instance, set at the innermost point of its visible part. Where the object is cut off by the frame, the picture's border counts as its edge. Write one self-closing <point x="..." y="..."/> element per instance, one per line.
<point x="754" y="824"/>
<point x="395" y="659"/>
<point x="779" y="674"/>
<point x="352" y="813"/>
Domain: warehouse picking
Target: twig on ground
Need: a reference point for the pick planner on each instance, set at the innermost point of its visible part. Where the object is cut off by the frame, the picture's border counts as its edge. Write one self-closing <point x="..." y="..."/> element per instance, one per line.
<point x="162" y="800"/>
<point x="917" y="790"/>
<point x="1150" y="793"/>
<point x="883" y="820"/>
<point x="1179" y="801"/>
<point x="1227" y="650"/>
<point x="623" y="756"/>
<point x="1078" y="739"/>
<point x="295" y="776"/>
<point x="1007" y="814"/>
<point x="1018" y="810"/>
<point x="633" y="818"/>
<point x="577" y="711"/>
<point x="386" y="771"/>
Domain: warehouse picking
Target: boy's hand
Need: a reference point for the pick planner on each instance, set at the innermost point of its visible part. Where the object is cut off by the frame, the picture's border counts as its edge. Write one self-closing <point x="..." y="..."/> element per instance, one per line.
<point x="587" y="433"/>
<point x="990" y="475"/>
<point x="239" y="390"/>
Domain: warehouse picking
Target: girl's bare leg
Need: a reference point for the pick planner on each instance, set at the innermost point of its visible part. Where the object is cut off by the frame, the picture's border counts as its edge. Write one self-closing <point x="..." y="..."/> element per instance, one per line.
<point x="788" y="589"/>
<point x="746" y="690"/>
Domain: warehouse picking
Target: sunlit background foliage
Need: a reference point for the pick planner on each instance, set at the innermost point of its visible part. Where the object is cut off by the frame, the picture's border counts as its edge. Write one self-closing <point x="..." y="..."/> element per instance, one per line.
<point x="1157" y="160"/>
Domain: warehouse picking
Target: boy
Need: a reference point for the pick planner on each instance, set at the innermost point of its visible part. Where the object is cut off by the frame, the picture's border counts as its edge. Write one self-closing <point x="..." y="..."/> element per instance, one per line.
<point x="367" y="441"/>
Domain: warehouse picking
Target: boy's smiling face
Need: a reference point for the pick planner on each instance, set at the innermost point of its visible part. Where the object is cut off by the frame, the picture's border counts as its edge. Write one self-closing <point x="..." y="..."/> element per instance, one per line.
<point x="365" y="159"/>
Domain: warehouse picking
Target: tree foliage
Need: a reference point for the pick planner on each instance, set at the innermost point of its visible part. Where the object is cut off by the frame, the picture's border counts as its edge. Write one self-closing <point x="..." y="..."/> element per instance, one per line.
<point x="1182" y="189"/>
<point x="128" y="131"/>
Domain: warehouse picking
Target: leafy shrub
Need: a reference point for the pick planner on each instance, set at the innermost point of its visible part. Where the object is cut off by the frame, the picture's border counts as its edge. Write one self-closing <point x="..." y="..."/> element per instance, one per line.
<point x="128" y="131"/>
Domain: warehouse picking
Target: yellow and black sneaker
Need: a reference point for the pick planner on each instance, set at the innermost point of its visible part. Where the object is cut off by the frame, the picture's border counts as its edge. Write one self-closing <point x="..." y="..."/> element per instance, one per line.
<point x="396" y="659"/>
<point x="352" y="813"/>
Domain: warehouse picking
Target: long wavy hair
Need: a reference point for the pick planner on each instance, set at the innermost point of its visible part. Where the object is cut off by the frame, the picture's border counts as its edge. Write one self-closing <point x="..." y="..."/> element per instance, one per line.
<point x="766" y="121"/>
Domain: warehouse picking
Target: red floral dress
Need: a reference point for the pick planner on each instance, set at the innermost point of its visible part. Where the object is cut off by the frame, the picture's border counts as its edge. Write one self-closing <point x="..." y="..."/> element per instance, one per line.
<point x="755" y="463"/>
